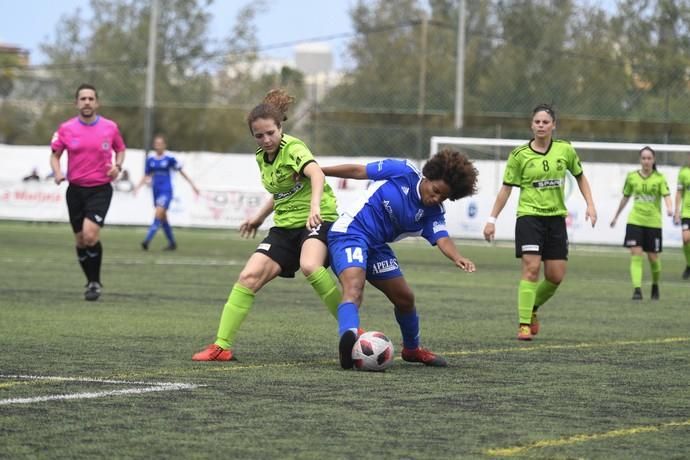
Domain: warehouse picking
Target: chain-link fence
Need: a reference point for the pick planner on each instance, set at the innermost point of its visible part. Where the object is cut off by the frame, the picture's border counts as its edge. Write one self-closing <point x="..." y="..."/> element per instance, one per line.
<point x="398" y="87"/>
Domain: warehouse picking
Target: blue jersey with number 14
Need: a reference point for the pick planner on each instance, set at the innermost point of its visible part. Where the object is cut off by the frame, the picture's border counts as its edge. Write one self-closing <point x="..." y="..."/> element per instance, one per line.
<point x="392" y="208"/>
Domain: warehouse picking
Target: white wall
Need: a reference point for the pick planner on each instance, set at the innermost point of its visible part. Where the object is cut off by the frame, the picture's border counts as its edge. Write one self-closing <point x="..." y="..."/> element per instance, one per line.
<point x="231" y="191"/>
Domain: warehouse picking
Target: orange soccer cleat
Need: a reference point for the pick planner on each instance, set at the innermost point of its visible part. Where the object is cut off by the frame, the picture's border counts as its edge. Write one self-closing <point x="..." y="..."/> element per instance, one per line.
<point x="213" y="353"/>
<point x="424" y="356"/>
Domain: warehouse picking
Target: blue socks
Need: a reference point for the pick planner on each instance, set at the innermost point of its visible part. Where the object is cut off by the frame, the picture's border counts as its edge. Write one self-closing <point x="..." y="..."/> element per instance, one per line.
<point x="348" y="318"/>
<point x="152" y="230"/>
<point x="409" y="327"/>
<point x="168" y="232"/>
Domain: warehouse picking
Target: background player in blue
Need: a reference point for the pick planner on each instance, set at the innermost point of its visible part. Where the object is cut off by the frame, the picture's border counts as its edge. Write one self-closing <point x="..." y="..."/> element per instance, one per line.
<point x="158" y="171"/>
<point x="402" y="202"/>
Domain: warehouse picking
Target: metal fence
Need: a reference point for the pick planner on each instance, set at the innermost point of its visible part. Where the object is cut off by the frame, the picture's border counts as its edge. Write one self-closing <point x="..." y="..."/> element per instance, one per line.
<point x="396" y="90"/>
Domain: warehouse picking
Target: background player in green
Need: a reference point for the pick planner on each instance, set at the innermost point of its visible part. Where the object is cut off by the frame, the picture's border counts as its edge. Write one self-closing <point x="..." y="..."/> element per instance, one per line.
<point x="682" y="214"/>
<point x="304" y="208"/>
<point x="539" y="169"/>
<point x="643" y="231"/>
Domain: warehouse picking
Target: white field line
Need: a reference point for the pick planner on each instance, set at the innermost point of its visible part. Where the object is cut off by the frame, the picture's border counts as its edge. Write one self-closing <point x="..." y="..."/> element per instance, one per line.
<point x="148" y="387"/>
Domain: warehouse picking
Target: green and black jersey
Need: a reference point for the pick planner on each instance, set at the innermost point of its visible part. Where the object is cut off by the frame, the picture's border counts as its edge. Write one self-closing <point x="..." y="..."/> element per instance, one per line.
<point x="647" y="193"/>
<point x="541" y="177"/>
<point x="684" y="188"/>
<point x="283" y="177"/>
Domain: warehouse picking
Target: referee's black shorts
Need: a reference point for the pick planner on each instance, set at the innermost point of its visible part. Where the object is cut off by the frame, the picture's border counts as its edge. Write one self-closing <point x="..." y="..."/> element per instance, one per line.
<point x="284" y="246"/>
<point x="649" y="238"/>
<point x="88" y="203"/>
<point x="546" y="236"/>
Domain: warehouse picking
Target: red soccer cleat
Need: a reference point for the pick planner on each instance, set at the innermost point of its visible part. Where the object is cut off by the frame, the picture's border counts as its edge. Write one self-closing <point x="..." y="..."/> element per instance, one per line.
<point x="534" y="325"/>
<point x="424" y="356"/>
<point x="524" y="332"/>
<point x="213" y="353"/>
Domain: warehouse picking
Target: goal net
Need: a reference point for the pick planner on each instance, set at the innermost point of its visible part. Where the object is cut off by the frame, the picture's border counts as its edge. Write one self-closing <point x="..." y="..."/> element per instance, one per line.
<point x="605" y="165"/>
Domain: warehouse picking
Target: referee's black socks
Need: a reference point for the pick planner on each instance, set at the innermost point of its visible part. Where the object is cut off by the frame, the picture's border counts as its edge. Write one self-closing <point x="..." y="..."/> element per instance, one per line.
<point x="82" y="257"/>
<point x="93" y="262"/>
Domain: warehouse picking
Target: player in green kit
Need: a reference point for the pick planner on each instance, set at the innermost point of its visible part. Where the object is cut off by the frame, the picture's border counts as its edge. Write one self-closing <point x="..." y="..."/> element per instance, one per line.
<point x="304" y="208"/>
<point x="539" y="169"/>
<point x="682" y="214"/>
<point x="643" y="233"/>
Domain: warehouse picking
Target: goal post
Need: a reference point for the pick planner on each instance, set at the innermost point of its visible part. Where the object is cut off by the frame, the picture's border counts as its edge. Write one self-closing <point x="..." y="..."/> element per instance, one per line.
<point x="605" y="164"/>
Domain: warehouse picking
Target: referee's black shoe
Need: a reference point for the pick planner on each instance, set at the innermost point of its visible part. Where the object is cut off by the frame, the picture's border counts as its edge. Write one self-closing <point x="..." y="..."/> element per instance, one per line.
<point x="93" y="291"/>
<point x="347" y="342"/>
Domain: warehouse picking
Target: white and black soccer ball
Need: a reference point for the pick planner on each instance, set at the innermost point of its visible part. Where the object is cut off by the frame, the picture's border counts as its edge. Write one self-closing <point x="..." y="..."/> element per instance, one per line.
<point x="373" y="351"/>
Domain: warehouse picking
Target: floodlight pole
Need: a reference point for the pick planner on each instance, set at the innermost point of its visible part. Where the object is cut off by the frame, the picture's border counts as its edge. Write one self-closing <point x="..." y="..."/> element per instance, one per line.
<point x="150" y="77"/>
<point x="460" y="67"/>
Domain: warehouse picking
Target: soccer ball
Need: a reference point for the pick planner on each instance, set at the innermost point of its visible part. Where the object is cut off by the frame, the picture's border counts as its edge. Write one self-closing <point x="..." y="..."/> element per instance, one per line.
<point x="373" y="351"/>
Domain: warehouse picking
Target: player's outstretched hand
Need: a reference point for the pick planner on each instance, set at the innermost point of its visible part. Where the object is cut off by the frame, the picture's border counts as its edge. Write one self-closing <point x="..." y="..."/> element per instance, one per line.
<point x="489" y="231"/>
<point x="591" y="215"/>
<point x="465" y="264"/>
<point x="248" y="228"/>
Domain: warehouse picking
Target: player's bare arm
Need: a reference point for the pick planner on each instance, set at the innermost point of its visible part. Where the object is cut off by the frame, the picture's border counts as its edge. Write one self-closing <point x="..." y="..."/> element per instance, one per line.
<point x="346" y="171"/>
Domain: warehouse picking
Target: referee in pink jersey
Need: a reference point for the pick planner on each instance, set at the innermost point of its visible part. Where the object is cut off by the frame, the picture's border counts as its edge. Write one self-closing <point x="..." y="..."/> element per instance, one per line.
<point x="90" y="141"/>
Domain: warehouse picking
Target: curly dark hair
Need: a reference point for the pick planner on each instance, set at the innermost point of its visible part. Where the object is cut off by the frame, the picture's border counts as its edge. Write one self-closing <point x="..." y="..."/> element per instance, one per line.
<point x="274" y="106"/>
<point x="456" y="170"/>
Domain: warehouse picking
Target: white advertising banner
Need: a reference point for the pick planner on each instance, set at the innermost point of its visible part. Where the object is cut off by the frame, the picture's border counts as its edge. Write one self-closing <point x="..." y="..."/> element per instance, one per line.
<point x="231" y="191"/>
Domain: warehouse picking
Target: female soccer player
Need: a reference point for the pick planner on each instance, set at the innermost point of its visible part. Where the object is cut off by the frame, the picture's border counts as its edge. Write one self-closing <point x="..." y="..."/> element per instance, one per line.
<point x="539" y="169"/>
<point x="304" y="208"/>
<point x="682" y="214"/>
<point x="158" y="170"/>
<point x="643" y="232"/>
<point x="403" y="202"/>
<point x="90" y="141"/>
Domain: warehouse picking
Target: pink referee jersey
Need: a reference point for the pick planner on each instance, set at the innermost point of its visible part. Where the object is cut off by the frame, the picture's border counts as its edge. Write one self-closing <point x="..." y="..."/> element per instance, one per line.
<point x="89" y="148"/>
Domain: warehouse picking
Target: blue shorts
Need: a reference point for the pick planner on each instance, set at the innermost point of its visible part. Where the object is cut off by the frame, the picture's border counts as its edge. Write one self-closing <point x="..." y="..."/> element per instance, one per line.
<point x="353" y="250"/>
<point x="162" y="199"/>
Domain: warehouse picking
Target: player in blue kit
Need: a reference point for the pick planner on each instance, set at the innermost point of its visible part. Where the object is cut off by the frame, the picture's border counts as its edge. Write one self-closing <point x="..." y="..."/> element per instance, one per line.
<point x="401" y="202"/>
<point x="158" y="171"/>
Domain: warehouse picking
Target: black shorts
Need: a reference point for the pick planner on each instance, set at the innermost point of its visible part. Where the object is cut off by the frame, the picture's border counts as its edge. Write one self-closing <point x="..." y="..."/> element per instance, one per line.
<point x="542" y="235"/>
<point x="284" y="246"/>
<point x="647" y="237"/>
<point x="88" y="203"/>
<point x="685" y="223"/>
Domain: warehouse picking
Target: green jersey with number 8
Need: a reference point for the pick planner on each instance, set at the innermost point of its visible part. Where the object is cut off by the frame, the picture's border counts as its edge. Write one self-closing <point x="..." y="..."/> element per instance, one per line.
<point x="541" y="177"/>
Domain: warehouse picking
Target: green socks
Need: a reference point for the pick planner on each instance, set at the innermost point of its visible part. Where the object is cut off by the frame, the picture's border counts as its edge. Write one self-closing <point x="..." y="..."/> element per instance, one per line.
<point x="656" y="270"/>
<point x="526" y="296"/>
<point x="545" y="291"/>
<point x="636" y="271"/>
<point x="325" y="287"/>
<point x="235" y="311"/>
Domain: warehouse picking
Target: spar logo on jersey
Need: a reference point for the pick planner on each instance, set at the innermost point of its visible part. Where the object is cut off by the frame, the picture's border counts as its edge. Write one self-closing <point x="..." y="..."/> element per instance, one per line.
<point x="439" y="226"/>
<point x="547" y="183"/>
<point x="384" y="266"/>
<point x="296" y="188"/>
<point x="646" y="198"/>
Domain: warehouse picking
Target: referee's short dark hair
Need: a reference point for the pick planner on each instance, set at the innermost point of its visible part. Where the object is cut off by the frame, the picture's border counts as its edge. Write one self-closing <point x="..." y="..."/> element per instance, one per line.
<point x="85" y="86"/>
